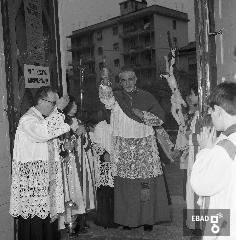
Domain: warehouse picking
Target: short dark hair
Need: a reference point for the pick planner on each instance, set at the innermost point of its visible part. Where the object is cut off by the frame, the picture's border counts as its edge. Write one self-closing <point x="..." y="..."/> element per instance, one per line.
<point x="42" y="92"/>
<point x="224" y="95"/>
<point x="69" y="105"/>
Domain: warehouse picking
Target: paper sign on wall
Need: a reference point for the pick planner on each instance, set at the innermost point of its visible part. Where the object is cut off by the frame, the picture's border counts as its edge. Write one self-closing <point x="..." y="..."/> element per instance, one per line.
<point x="36" y="76"/>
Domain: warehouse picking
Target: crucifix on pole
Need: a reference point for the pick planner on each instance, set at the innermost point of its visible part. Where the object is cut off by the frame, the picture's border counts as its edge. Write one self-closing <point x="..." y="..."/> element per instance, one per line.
<point x="81" y="79"/>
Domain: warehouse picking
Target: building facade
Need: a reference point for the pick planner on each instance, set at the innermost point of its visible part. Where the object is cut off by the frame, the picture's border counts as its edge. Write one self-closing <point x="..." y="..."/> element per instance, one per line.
<point x="140" y="37"/>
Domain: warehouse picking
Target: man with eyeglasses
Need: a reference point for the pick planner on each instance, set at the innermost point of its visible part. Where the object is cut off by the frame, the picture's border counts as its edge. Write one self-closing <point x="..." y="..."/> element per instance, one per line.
<point x="37" y="191"/>
<point x="140" y="197"/>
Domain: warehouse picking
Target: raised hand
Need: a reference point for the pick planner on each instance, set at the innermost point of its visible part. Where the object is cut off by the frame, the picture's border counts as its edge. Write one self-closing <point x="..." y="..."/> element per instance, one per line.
<point x="138" y="113"/>
<point x="69" y="145"/>
<point x="207" y="137"/>
<point x="62" y="102"/>
<point x="80" y="130"/>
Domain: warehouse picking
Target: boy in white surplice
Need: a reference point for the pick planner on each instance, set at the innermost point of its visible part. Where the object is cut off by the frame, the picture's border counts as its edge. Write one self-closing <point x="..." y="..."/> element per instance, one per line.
<point x="213" y="175"/>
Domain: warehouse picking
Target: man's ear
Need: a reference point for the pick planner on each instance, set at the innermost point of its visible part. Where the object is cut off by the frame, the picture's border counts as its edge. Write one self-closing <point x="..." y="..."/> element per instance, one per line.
<point x="39" y="102"/>
<point x="219" y="110"/>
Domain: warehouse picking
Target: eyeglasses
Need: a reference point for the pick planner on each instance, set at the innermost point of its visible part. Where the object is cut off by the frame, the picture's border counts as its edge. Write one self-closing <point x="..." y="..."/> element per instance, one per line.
<point x="52" y="102"/>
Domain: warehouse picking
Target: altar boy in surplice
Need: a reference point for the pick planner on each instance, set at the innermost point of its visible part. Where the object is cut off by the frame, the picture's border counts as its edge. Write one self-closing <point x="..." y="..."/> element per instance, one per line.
<point x="213" y="175"/>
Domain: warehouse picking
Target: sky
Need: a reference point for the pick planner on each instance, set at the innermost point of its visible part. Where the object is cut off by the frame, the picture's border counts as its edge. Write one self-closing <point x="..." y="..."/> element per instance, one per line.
<point x="81" y="13"/>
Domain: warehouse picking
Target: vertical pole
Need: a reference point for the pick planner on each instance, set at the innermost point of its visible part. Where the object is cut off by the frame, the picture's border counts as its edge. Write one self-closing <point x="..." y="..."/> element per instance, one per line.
<point x="81" y="78"/>
<point x="205" y="50"/>
<point x="63" y="62"/>
<point x="56" y="24"/>
<point x="212" y="44"/>
<point x="200" y="7"/>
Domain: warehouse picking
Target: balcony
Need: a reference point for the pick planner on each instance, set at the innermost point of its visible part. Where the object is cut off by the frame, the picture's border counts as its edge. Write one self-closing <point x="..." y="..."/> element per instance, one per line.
<point x="138" y="32"/>
<point x="81" y="47"/>
<point x="138" y="49"/>
<point x="145" y="66"/>
<point x="85" y="60"/>
<point x="141" y="65"/>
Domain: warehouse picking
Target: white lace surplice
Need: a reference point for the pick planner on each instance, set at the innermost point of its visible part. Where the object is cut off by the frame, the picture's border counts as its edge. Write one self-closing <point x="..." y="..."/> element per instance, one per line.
<point x="37" y="188"/>
<point x="134" y="152"/>
<point x="101" y="142"/>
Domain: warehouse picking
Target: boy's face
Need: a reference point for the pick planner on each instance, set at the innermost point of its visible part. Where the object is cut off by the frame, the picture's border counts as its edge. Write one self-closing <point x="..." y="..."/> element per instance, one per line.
<point x="217" y="117"/>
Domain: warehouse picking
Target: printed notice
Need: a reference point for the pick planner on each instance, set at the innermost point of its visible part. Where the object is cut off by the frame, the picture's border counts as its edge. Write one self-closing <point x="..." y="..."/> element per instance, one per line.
<point x="36" y="76"/>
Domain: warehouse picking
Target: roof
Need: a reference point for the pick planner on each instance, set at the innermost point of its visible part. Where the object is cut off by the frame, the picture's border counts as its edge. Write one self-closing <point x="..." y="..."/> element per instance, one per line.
<point x="154" y="9"/>
<point x="126" y="1"/>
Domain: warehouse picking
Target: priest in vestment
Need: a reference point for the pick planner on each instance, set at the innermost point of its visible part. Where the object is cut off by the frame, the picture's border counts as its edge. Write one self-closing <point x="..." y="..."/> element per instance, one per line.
<point x="37" y="191"/>
<point x="140" y="197"/>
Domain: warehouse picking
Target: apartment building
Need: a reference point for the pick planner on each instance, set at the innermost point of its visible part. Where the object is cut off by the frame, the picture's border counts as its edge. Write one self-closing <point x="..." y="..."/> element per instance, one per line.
<point x="140" y="37"/>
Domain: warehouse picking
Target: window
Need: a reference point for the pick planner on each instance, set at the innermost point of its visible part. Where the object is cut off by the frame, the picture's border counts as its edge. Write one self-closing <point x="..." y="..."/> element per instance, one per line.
<point x="133" y="60"/>
<point x="91" y="67"/>
<point x="99" y="35"/>
<point x="115" y="30"/>
<point x="147" y="40"/>
<point x="116" y="46"/>
<point x="129" y="27"/>
<point x="117" y="62"/>
<point x="148" y="58"/>
<point x="174" y="24"/>
<point x="100" y="51"/>
<point x="132" y="43"/>
<point x="175" y="41"/>
<point x="125" y="5"/>
<point x="100" y="66"/>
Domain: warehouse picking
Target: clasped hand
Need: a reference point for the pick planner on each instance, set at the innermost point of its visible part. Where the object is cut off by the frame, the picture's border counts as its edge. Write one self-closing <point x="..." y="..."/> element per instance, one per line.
<point x="138" y="113"/>
<point x="207" y="137"/>
<point x="80" y="130"/>
<point x="62" y="102"/>
<point x="69" y="145"/>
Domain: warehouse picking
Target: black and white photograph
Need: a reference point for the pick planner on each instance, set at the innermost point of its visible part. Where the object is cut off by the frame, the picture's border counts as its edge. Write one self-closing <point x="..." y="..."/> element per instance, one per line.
<point x="117" y="119"/>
